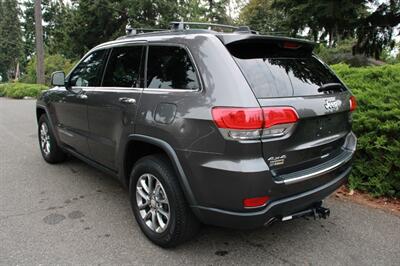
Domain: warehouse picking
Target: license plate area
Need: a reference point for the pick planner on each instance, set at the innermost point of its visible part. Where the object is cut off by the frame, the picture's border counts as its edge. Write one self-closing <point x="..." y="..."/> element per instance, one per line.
<point x="328" y="125"/>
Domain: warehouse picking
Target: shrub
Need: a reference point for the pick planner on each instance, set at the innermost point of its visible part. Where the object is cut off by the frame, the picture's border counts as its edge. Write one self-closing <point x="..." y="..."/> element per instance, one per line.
<point x="51" y="63"/>
<point x="377" y="126"/>
<point x="2" y="90"/>
<point x="21" y="90"/>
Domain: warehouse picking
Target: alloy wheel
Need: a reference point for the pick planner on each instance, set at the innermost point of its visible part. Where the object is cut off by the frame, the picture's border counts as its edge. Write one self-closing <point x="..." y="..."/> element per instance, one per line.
<point x="44" y="139"/>
<point x="152" y="202"/>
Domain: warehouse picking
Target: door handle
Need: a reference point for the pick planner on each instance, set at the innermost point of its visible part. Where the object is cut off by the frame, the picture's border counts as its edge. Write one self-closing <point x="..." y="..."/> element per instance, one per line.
<point x="82" y="96"/>
<point x="127" y="100"/>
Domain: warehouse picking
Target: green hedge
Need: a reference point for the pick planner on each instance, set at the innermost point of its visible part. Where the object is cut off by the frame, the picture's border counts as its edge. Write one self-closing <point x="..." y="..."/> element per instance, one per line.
<point x="377" y="126"/>
<point x="21" y="90"/>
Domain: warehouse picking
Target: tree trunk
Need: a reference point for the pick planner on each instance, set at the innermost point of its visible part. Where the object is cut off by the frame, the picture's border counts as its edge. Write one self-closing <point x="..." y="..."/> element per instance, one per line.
<point x="330" y="38"/>
<point x="39" y="43"/>
<point x="210" y="9"/>
<point x="16" y="78"/>
<point x="337" y="34"/>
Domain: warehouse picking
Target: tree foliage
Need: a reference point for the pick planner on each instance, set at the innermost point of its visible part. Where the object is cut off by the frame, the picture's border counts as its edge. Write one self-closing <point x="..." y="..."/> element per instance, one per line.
<point x="335" y="19"/>
<point x="260" y="15"/>
<point x="71" y="28"/>
<point x="375" y="31"/>
<point x="57" y="16"/>
<point x="371" y="22"/>
<point x="52" y="63"/>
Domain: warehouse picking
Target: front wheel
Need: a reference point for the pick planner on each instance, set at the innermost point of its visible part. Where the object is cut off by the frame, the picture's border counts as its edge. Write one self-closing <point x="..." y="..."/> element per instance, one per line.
<point x="158" y="202"/>
<point x="51" y="152"/>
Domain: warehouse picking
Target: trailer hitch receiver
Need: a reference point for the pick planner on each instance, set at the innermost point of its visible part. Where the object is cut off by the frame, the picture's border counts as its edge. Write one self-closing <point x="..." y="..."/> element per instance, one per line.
<point x="321" y="212"/>
<point x="316" y="211"/>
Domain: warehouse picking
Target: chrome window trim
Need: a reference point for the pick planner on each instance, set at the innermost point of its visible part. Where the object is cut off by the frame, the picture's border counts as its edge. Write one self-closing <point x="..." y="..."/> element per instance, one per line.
<point x="113" y="89"/>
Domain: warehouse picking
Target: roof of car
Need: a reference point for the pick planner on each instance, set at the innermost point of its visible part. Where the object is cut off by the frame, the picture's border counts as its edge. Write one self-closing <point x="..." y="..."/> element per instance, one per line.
<point x="181" y="29"/>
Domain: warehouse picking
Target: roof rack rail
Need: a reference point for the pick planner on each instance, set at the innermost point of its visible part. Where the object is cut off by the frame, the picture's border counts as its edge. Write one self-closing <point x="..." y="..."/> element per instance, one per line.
<point x="133" y="31"/>
<point x="245" y="29"/>
<point x="185" y="25"/>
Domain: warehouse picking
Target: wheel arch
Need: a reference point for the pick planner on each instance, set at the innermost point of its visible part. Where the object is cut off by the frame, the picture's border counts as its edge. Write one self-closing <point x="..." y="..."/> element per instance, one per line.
<point x="153" y="145"/>
<point x="40" y="110"/>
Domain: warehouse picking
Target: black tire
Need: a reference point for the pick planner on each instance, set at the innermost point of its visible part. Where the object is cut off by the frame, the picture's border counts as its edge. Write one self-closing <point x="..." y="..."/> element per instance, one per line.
<point x="55" y="154"/>
<point x="182" y="225"/>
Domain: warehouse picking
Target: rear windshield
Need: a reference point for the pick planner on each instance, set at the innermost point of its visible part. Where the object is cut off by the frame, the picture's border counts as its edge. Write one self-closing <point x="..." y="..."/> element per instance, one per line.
<point x="285" y="77"/>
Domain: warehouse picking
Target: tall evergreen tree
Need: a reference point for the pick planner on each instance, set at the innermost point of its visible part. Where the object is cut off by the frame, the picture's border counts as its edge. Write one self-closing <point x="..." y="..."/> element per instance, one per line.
<point x="375" y="31"/>
<point x="40" y="68"/>
<point x="28" y="29"/>
<point x="94" y="22"/>
<point x="11" y="38"/>
<point x="331" y="20"/>
<point x="335" y="19"/>
<point x="56" y="19"/>
<point x="217" y="11"/>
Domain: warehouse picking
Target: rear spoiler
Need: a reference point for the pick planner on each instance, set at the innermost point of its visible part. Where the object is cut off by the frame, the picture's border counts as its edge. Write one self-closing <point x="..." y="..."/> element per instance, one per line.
<point x="249" y="46"/>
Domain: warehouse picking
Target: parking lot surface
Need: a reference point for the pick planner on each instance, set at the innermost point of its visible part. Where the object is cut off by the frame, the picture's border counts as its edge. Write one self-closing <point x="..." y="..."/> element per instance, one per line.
<point x="73" y="214"/>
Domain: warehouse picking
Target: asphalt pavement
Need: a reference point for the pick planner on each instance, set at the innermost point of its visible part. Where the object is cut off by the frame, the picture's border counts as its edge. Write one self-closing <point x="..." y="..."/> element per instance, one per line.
<point x="71" y="213"/>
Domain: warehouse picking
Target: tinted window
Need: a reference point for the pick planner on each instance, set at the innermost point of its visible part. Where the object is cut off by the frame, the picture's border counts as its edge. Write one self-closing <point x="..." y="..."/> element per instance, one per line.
<point x="282" y="77"/>
<point x="123" y="67"/>
<point x="170" y="67"/>
<point x="89" y="71"/>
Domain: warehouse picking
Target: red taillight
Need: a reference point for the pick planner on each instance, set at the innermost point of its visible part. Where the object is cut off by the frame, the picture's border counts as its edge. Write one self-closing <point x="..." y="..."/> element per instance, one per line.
<point x="255" y="202"/>
<point x="238" y="118"/>
<point x="353" y="103"/>
<point x="253" y="118"/>
<point x="253" y="123"/>
<point x="279" y="115"/>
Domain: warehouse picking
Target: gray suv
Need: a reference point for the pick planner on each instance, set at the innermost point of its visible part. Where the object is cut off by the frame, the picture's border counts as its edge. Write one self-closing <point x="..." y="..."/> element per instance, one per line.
<point x="230" y="129"/>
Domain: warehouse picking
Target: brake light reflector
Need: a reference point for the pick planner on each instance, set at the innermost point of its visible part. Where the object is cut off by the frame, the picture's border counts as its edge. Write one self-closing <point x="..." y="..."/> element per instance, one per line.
<point x="353" y="103"/>
<point x="255" y="202"/>
<point x="279" y="115"/>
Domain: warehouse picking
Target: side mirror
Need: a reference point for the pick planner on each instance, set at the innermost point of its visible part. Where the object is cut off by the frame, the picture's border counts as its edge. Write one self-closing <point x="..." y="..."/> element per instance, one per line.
<point x="58" y="79"/>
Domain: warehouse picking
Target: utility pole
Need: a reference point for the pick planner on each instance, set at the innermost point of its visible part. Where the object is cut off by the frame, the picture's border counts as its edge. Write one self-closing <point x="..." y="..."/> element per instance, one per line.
<point x="39" y="43"/>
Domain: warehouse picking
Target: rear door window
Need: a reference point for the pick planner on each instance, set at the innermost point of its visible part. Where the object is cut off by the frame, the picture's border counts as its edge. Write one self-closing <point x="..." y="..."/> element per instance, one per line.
<point x="123" y="67"/>
<point x="170" y="67"/>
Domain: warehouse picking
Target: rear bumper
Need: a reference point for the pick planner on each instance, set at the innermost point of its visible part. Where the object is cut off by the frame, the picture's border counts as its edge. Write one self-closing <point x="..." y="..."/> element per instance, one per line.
<point x="275" y="209"/>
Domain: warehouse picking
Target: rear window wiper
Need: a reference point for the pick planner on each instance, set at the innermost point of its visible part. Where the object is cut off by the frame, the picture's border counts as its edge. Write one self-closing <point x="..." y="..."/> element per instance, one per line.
<point x="331" y="87"/>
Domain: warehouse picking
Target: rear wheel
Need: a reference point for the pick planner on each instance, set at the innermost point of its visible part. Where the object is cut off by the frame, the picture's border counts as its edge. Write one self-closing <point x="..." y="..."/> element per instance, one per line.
<point x="51" y="152"/>
<point x="158" y="202"/>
